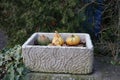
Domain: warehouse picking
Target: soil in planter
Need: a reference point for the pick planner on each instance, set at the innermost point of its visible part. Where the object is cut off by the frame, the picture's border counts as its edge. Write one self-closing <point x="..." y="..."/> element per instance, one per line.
<point x="82" y="44"/>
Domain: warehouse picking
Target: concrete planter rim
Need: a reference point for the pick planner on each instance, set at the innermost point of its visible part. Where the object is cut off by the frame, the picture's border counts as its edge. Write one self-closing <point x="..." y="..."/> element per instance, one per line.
<point x="88" y="41"/>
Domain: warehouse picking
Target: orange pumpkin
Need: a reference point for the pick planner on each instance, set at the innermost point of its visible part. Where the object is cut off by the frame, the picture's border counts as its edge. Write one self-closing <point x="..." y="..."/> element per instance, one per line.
<point x="73" y="40"/>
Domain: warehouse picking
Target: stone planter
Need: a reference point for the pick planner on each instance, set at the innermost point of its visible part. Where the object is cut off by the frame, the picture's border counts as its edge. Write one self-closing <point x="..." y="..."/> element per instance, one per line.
<point x="58" y="59"/>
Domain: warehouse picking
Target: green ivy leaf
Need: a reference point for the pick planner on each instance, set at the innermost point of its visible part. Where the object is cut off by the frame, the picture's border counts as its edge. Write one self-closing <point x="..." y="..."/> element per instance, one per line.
<point x="7" y="57"/>
<point x="11" y="72"/>
<point x="17" y="77"/>
<point x="12" y="60"/>
<point x="7" y="77"/>
<point x="20" y="70"/>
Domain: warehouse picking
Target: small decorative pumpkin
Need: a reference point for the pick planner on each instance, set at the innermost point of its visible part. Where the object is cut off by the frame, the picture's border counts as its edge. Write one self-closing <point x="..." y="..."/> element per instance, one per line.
<point x="73" y="40"/>
<point x="57" y="39"/>
<point x="43" y="40"/>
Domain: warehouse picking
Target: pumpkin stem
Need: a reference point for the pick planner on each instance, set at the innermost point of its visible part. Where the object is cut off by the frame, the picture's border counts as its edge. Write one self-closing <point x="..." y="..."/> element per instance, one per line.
<point x="43" y="36"/>
<point x="56" y="31"/>
<point x="57" y="34"/>
<point x="72" y="35"/>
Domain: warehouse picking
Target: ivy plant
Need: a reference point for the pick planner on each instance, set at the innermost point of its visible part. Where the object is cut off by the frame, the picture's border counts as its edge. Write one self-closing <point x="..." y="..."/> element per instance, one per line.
<point x="11" y="64"/>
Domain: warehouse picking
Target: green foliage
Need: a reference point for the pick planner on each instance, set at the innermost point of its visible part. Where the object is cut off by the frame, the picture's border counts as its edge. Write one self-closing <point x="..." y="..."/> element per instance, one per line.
<point x="11" y="64"/>
<point x="22" y="18"/>
<point x="109" y="43"/>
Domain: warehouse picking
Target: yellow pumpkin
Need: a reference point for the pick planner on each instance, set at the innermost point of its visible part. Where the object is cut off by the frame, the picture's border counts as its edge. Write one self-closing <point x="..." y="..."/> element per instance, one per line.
<point x="73" y="40"/>
<point x="57" y="39"/>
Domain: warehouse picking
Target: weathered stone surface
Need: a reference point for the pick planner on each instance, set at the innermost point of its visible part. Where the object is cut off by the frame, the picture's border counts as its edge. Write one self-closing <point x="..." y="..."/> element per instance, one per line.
<point x="107" y="70"/>
<point x="75" y="60"/>
<point x="48" y="76"/>
<point x="3" y="40"/>
<point x="103" y="70"/>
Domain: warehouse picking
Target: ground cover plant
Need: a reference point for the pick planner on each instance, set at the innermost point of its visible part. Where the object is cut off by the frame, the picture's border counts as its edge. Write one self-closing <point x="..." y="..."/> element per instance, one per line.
<point x="109" y="41"/>
<point x="11" y="64"/>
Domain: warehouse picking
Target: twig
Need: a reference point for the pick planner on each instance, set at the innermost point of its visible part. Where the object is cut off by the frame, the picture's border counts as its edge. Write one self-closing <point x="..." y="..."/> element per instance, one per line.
<point x="85" y="6"/>
<point x="107" y="6"/>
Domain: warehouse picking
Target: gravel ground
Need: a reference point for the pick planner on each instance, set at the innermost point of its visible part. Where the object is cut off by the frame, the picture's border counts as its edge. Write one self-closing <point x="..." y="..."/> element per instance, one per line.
<point x="3" y="40"/>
